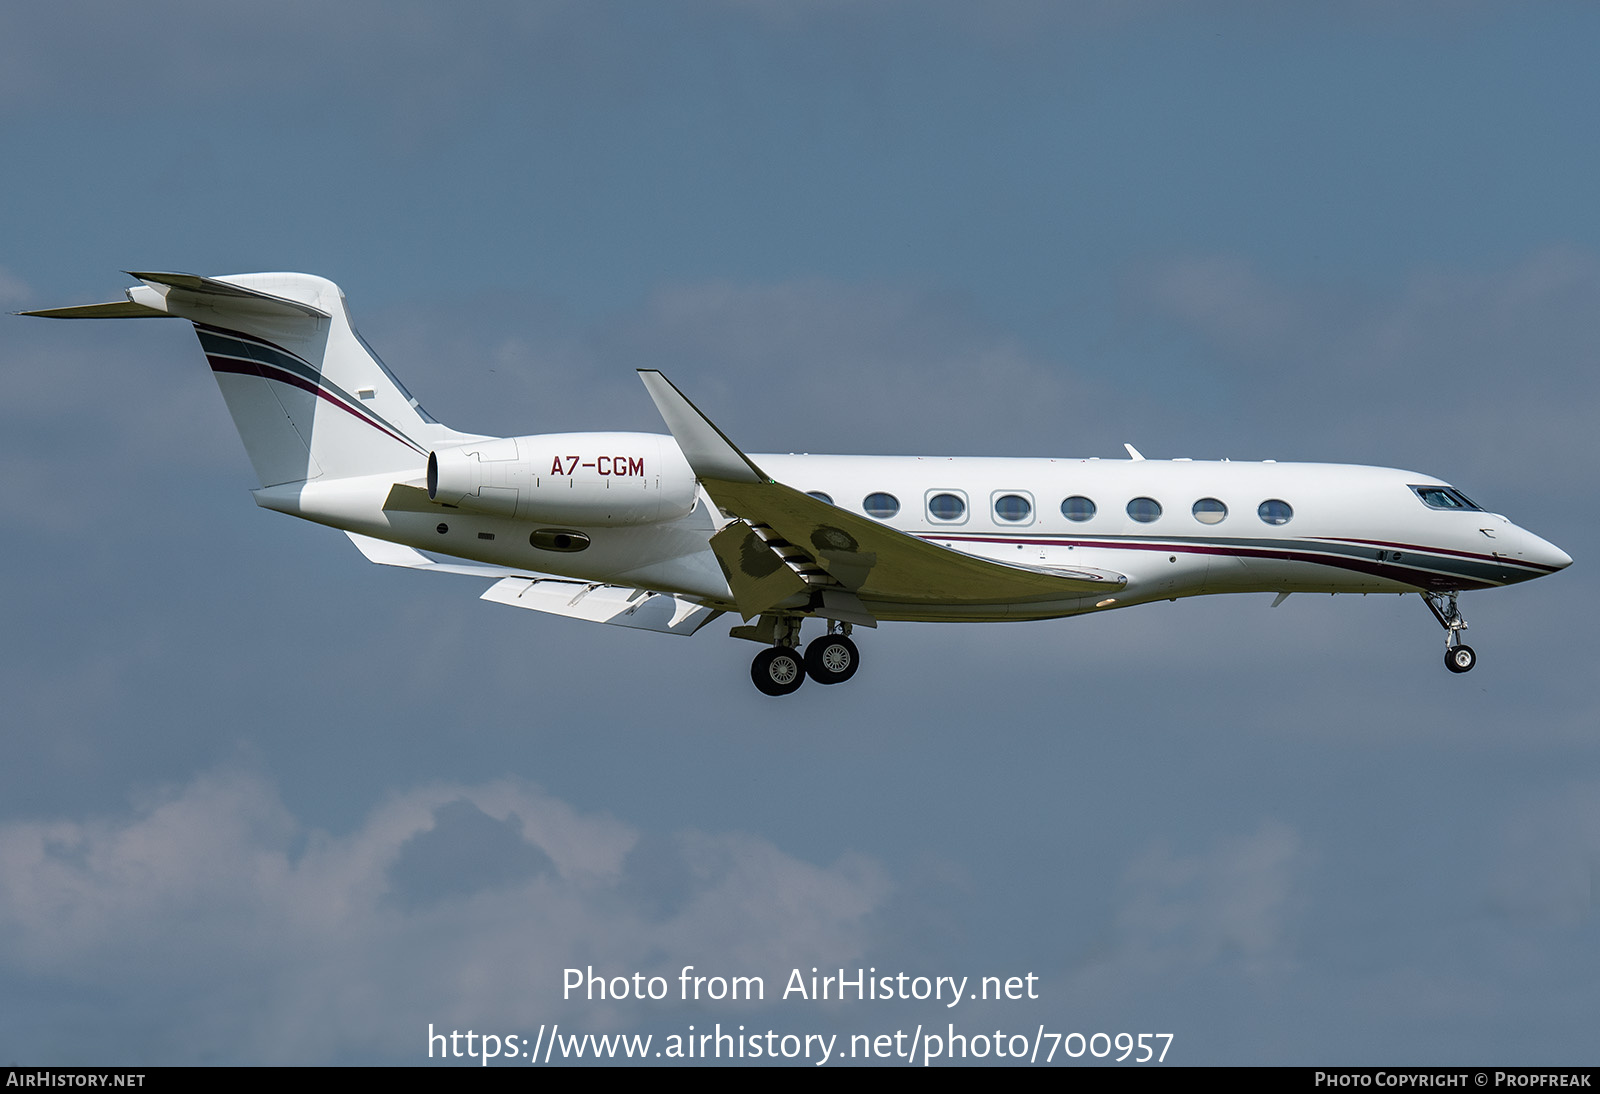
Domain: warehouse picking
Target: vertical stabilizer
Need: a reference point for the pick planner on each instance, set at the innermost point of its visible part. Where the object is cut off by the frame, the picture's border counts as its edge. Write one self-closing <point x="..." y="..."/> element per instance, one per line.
<point x="309" y="397"/>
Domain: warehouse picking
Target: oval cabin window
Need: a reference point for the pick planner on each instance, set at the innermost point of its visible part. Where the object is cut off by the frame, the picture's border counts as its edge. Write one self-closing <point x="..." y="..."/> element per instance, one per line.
<point x="1144" y="510"/>
<point x="1077" y="508"/>
<point x="881" y="505"/>
<point x="946" y="507"/>
<point x="1274" y="511"/>
<point x="1013" y="508"/>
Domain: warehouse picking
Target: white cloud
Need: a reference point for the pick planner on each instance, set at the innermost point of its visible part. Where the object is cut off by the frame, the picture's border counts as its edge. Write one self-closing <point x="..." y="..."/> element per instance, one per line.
<point x="286" y="945"/>
<point x="1227" y="908"/>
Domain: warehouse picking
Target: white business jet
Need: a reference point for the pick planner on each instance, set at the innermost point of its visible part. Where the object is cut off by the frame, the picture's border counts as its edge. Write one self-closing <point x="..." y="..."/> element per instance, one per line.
<point x="667" y="533"/>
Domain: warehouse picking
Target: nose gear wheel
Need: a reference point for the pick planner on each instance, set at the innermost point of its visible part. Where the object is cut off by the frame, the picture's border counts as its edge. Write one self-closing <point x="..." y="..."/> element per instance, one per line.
<point x="1458" y="656"/>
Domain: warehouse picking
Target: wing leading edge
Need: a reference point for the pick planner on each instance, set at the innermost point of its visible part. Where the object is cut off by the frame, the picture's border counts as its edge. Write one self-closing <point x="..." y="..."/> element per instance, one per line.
<point x="789" y="542"/>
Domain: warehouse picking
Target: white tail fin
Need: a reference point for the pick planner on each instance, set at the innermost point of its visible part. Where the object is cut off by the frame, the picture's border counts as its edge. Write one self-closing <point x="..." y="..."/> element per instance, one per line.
<point x="309" y="397"/>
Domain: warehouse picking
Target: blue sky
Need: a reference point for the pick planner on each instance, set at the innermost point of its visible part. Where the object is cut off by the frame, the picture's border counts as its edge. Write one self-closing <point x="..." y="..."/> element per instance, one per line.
<point x="261" y="801"/>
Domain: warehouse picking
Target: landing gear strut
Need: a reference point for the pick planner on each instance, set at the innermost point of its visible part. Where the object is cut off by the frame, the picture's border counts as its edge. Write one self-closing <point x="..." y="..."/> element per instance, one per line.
<point x="780" y="669"/>
<point x="1458" y="656"/>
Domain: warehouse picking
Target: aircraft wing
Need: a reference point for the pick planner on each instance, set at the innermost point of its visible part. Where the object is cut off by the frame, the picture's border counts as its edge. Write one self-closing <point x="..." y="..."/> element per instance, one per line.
<point x="619" y="605"/>
<point x="385" y="553"/>
<point x="791" y="542"/>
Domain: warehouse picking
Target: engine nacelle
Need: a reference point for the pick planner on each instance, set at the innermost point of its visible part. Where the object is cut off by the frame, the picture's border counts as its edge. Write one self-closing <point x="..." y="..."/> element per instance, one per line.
<point x="568" y="478"/>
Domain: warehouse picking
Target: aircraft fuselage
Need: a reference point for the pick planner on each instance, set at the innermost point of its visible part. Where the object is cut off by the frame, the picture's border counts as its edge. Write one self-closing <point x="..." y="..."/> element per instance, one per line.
<point x="1327" y="528"/>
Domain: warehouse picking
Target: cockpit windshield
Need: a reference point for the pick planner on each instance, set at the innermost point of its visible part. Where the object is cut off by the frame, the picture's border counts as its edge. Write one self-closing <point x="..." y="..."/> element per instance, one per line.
<point x="1444" y="497"/>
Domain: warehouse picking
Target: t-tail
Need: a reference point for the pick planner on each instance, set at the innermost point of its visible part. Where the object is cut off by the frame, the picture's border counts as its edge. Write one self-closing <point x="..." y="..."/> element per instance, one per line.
<point x="310" y="398"/>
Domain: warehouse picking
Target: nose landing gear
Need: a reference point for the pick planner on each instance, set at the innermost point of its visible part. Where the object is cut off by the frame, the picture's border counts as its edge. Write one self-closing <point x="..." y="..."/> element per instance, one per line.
<point x="1458" y="656"/>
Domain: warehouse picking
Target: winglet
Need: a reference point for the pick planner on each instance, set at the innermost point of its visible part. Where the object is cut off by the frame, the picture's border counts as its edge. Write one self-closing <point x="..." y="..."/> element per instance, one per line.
<point x="706" y="447"/>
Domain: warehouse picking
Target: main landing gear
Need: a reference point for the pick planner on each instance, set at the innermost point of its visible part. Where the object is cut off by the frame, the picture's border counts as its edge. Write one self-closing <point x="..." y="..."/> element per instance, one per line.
<point x="1458" y="656"/>
<point x="780" y="669"/>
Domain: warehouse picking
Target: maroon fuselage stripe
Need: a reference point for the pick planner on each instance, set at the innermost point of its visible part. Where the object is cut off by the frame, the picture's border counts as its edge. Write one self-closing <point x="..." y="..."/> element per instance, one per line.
<point x="1402" y="574"/>
<point x="282" y="376"/>
<point x="1489" y="560"/>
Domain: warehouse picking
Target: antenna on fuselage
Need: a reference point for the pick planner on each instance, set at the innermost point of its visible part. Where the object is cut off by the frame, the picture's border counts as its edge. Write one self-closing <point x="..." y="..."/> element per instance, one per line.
<point x="1133" y="453"/>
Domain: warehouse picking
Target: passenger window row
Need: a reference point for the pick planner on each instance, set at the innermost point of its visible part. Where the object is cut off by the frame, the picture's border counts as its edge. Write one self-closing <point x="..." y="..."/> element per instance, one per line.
<point x="947" y="507"/>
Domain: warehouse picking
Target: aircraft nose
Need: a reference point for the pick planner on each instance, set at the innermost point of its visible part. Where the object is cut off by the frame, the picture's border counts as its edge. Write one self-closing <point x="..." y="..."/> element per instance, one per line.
<point x="1544" y="553"/>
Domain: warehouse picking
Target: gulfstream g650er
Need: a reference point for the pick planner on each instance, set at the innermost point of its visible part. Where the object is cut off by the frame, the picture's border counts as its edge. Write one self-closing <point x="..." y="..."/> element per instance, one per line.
<point x="668" y="533"/>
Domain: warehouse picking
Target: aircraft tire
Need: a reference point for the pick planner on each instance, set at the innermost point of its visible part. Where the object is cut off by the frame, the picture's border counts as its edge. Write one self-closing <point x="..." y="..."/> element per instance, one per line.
<point x="1460" y="659"/>
<point x="832" y="659"/>
<point x="778" y="670"/>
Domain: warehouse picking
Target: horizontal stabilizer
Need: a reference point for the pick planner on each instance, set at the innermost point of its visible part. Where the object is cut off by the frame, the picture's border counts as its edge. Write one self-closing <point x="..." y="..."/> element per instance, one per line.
<point x="116" y="309"/>
<point x="177" y="294"/>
